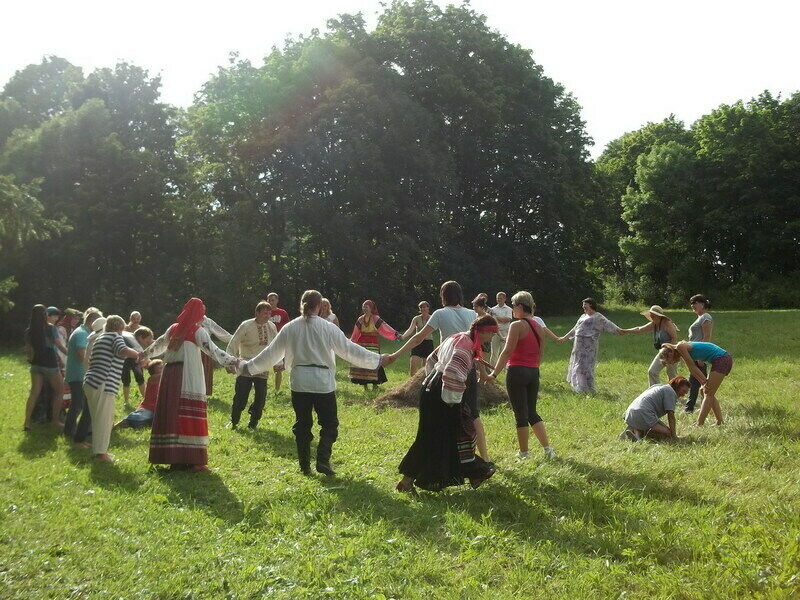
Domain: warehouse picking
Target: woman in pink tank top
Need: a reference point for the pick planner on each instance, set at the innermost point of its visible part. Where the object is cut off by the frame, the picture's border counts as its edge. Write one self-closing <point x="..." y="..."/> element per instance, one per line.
<point x="522" y="353"/>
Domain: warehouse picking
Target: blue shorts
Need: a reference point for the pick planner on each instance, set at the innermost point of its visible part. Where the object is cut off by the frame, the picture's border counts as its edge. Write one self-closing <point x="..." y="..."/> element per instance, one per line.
<point x="141" y="417"/>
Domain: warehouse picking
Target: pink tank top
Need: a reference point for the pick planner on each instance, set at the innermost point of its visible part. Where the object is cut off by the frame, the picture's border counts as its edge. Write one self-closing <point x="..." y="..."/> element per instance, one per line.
<point x="528" y="352"/>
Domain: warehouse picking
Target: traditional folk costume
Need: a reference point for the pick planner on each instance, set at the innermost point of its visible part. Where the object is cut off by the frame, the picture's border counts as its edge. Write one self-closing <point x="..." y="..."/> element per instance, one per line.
<point x="309" y="346"/>
<point x="180" y="425"/>
<point x="443" y="453"/>
<point x="366" y="334"/>
<point x="249" y="339"/>
<point x="582" y="361"/>
<point x="208" y="364"/>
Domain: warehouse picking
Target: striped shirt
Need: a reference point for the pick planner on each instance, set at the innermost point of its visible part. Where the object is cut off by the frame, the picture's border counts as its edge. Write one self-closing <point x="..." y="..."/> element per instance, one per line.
<point x="454" y="360"/>
<point x="105" y="363"/>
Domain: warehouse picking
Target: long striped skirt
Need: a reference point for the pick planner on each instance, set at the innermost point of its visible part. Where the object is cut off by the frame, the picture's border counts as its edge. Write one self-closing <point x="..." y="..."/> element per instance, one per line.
<point x="365" y="376"/>
<point x="180" y="425"/>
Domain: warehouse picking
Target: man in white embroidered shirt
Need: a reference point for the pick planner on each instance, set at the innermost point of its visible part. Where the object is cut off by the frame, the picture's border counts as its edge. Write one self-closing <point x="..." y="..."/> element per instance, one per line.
<point x="309" y="345"/>
<point x="250" y="338"/>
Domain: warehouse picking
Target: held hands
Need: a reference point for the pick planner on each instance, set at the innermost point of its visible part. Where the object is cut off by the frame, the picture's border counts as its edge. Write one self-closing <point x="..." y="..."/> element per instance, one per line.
<point x="387" y="359"/>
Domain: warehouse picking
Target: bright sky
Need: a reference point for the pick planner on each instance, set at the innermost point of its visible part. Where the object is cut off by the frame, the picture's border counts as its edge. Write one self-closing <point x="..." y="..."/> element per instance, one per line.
<point x="627" y="62"/>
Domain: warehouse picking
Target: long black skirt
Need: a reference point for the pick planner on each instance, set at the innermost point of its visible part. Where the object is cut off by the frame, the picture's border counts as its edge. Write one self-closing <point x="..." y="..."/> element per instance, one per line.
<point x="443" y="453"/>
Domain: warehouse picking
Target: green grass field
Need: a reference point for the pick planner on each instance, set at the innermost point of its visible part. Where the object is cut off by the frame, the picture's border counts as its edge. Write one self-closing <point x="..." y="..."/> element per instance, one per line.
<point x="715" y="515"/>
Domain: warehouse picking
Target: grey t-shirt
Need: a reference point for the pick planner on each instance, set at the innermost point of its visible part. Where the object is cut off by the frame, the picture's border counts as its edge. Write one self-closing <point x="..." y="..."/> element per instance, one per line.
<point x="650" y="406"/>
<point x="450" y="320"/>
<point x="696" y="328"/>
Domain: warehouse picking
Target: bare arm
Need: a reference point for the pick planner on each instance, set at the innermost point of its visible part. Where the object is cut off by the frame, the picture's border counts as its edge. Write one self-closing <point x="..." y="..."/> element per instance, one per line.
<point x="415" y="340"/>
<point x="708" y="327"/>
<point x="671" y="419"/>
<point x="683" y="350"/>
<point x="550" y="334"/>
<point x="641" y="329"/>
<point x="410" y="331"/>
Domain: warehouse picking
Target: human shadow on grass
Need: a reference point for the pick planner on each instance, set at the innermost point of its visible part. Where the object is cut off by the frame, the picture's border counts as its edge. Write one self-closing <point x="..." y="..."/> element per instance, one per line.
<point x="206" y="491"/>
<point x="532" y="516"/>
<point x="217" y="405"/>
<point x="280" y="444"/>
<point x="111" y="476"/>
<point x="769" y="421"/>
<point x="40" y="440"/>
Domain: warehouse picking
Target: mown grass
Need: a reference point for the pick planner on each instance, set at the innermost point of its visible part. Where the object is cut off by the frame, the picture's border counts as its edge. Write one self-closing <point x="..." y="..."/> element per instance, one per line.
<point x="715" y="515"/>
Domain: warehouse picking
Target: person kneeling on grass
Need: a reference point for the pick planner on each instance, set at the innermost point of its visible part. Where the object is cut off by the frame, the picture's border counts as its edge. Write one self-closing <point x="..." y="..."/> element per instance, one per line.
<point x="143" y="415"/>
<point x="643" y="417"/>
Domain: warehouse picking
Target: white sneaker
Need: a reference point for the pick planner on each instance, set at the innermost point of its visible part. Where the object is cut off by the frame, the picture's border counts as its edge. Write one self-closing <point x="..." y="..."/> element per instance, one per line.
<point x="522" y="455"/>
<point x="550" y="453"/>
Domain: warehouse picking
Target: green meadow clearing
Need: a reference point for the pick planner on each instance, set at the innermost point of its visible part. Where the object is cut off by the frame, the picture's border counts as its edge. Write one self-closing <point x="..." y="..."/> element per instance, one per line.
<point x="715" y="515"/>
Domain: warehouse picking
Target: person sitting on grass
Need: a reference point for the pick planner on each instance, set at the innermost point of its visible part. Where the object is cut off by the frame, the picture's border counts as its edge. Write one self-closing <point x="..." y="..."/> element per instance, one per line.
<point x="643" y="417"/>
<point x="143" y="415"/>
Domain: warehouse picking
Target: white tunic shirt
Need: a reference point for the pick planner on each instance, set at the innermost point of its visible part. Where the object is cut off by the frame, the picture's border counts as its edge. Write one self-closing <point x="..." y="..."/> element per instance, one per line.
<point x="250" y="338"/>
<point x="310" y="347"/>
<point x="504" y="312"/>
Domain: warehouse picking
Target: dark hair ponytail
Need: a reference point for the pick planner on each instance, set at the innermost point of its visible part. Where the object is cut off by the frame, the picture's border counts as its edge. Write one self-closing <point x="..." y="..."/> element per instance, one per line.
<point x="37" y="327"/>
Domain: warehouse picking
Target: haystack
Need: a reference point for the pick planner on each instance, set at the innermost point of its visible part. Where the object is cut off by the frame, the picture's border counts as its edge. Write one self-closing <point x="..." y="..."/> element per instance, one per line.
<point x="407" y="394"/>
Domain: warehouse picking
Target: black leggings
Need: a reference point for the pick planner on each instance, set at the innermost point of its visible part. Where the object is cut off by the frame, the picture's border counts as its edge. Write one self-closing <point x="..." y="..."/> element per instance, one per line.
<point x="522" y="384"/>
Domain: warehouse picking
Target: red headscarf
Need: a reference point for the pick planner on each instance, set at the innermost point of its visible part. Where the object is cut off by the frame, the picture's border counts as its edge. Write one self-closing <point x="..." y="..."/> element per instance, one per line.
<point x="187" y="323"/>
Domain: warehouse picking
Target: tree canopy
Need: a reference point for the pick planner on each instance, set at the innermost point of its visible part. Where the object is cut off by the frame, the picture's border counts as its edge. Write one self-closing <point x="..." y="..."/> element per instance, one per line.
<point x="376" y="164"/>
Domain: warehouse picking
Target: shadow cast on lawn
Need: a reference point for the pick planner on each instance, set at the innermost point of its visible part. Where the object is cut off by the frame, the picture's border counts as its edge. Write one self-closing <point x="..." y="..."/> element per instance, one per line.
<point x="110" y="476"/>
<point x="769" y="421"/>
<point x="280" y="444"/>
<point x="534" y="514"/>
<point x="206" y="491"/>
<point x="40" y="440"/>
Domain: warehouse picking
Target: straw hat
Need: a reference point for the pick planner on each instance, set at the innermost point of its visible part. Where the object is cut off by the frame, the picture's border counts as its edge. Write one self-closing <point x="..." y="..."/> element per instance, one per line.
<point x="98" y="324"/>
<point x="654" y="310"/>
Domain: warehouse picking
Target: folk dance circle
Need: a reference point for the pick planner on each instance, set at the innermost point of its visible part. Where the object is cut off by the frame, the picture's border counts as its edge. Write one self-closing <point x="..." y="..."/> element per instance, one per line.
<point x="88" y="362"/>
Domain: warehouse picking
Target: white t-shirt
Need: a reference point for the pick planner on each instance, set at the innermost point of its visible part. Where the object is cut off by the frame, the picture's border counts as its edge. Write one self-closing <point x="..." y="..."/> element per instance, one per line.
<point x="540" y="322"/>
<point x="450" y="320"/>
<point x="506" y="313"/>
<point x="331" y="317"/>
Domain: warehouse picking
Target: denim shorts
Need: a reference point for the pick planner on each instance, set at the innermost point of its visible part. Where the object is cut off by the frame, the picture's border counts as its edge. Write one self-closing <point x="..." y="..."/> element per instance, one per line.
<point x="46" y="371"/>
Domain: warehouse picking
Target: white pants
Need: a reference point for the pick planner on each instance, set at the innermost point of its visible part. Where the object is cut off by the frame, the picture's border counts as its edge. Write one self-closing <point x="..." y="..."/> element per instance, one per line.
<point x="498" y="344"/>
<point x="654" y="373"/>
<point x="101" y="408"/>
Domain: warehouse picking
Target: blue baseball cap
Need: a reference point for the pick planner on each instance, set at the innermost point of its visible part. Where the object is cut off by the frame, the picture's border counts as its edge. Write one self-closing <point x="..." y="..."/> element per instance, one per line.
<point x="53" y="310"/>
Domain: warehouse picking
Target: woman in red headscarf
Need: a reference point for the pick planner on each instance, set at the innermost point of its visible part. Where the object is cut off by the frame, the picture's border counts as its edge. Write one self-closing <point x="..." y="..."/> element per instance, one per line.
<point x="180" y="427"/>
<point x="443" y="453"/>
<point x="366" y="332"/>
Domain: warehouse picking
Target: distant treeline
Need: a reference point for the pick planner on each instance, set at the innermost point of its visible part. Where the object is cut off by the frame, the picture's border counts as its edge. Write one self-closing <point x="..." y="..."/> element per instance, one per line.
<point x="376" y="164"/>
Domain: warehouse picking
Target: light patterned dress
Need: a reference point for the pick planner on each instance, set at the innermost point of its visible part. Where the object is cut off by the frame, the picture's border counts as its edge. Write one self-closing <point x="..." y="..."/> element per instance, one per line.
<point x="582" y="361"/>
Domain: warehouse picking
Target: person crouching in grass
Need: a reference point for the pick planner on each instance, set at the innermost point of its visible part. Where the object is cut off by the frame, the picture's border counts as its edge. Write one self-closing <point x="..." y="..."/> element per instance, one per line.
<point x="643" y="417"/>
<point x="143" y="415"/>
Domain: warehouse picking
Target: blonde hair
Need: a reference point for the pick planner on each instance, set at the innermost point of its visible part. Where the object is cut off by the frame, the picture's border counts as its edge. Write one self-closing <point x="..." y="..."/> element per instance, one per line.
<point x="325" y="308"/>
<point x="668" y="355"/>
<point x="310" y="300"/>
<point x="525" y="300"/>
<point x="115" y="324"/>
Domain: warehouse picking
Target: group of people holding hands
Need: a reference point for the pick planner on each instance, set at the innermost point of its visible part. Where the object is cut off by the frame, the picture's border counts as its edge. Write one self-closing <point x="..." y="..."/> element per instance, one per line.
<point x="477" y="344"/>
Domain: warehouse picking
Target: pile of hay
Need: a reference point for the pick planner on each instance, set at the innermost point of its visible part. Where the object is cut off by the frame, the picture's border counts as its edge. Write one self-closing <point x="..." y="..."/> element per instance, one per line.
<point x="407" y="394"/>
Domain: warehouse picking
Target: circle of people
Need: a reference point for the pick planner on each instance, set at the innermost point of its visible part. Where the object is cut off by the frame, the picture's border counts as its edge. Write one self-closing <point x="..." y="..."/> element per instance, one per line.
<point x="85" y="363"/>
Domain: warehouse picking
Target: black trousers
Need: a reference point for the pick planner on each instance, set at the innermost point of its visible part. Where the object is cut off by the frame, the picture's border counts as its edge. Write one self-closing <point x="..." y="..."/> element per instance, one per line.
<point x="694" y="390"/>
<point x="77" y="406"/>
<point x="325" y="406"/>
<point x="522" y="385"/>
<point x="242" y="393"/>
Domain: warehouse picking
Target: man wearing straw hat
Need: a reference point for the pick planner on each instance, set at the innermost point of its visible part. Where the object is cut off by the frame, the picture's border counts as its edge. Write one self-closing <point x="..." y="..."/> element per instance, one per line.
<point x="664" y="331"/>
